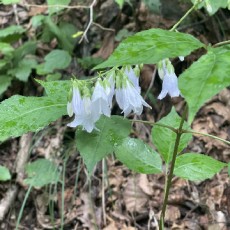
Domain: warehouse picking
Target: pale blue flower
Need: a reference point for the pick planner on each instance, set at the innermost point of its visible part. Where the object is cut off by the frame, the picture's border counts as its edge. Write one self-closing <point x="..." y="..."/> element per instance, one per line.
<point x="86" y="113"/>
<point x="100" y="98"/>
<point x="170" y="81"/>
<point x="133" y="77"/>
<point x="128" y="98"/>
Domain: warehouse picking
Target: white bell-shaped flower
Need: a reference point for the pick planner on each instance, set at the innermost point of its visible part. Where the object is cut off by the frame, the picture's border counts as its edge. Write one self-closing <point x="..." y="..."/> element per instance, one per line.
<point x="128" y="97"/>
<point x="86" y="112"/>
<point x="170" y="81"/>
<point x="133" y="77"/>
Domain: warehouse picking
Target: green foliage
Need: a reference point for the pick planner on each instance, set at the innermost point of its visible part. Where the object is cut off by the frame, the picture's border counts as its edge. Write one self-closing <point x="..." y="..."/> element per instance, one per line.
<point x="205" y="78"/>
<point x="138" y="156"/>
<point x="57" y="88"/>
<point x="19" y="115"/>
<point x="89" y="62"/>
<point x="215" y="5"/>
<point x="98" y="144"/>
<point x="123" y="33"/>
<point x="57" y="2"/>
<point x="5" y="82"/>
<point x="197" y="167"/>
<point x="41" y="172"/>
<point x="120" y="3"/>
<point x="153" y="5"/>
<point x="11" y="33"/>
<point x="164" y="138"/>
<point x="4" y="173"/>
<point x="150" y="47"/>
<point x="7" y="2"/>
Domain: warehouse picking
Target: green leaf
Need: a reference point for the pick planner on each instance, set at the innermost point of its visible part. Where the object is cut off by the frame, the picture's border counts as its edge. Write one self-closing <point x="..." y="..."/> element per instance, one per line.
<point x="19" y="115"/>
<point x="23" y="69"/>
<point x="5" y="82"/>
<point x="229" y="169"/>
<point x="153" y="6"/>
<point x="138" y="156"/>
<point x="4" y="173"/>
<point x="41" y="172"/>
<point x="215" y="5"/>
<point x="120" y="3"/>
<point x="10" y="33"/>
<point x="164" y="138"/>
<point x="151" y="46"/>
<point x="205" y="78"/>
<point x="98" y="144"/>
<point x="56" y="59"/>
<point x="57" y="2"/>
<point x="197" y="167"/>
<point x="56" y="88"/>
<point x="7" y="2"/>
<point x="6" y="48"/>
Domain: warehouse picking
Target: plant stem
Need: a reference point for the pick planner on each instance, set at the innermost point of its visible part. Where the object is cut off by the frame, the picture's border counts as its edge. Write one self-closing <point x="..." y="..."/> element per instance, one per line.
<point x="170" y="176"/>
<point x="186" y="14"/>
<point x="158" y="124"/>
<point x="222" y="43"/>
<point x="206" y="134"/>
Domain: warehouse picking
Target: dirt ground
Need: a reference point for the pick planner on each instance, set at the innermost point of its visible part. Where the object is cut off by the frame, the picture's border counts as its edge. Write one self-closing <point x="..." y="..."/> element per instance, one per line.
<point x="115" y="197"/>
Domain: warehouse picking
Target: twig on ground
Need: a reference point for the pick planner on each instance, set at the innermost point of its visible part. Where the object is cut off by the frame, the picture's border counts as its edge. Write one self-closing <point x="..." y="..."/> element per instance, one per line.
<point x="84" y="35"/>
<point x="7" y="201"/>
<point x="102" y="27"/>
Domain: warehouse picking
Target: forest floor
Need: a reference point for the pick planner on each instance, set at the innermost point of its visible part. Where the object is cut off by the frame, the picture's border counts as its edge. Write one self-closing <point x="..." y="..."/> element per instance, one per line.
<point x="115" y="197"/>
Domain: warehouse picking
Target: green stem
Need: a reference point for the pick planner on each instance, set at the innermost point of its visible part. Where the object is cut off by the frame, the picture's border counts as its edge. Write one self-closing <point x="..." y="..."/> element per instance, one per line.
<point x="205" y="134"/>
<point x="186" y="14"/>
<point x="158" y="124"/>
<point x="222" y="43"/>
<point x="170" y="176"/>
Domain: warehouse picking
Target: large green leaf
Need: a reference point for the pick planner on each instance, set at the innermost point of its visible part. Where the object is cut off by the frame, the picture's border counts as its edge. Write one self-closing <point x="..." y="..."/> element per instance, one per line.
<point x="164" y="138"/>
<point x="196" y="167"/>
<point x="205" y="78"/>
<point x="138" y="156"/>
<point x="20" y="114"/>
<point x="5" y="82"/>
<point x="151" y="46"/>
<point x="58" y="88"/>
<point x="96" y="145"/>
<point x="4" y="173"/>
<point x="11" y="33"/>
<point x="41" y="172"/>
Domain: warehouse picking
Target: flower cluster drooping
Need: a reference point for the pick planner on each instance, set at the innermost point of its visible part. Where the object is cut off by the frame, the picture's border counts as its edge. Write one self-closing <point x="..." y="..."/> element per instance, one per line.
<point x="170" y="82"/>
<point x="88" y="106"/>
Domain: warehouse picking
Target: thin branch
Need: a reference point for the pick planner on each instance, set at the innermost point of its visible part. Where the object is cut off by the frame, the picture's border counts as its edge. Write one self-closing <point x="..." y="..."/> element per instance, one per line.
<point x="84" y="36"/>
<point x="222" y="43"/>
<point x="102" y="27"/>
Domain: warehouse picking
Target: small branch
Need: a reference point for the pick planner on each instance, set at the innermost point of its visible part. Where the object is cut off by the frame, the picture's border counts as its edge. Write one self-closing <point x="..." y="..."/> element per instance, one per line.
<point x="205" y="134"/>
<point x="221" y="43"/>
<point x="55" y="6"/>
<point x="186" y="14"/>
<point x="103" y="28"/>
<point x="84" y="36"/>
<point x="158" y="124"/>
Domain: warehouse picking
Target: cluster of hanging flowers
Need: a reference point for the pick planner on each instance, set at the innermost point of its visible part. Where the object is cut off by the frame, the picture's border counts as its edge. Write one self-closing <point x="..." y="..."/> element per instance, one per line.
<point x="88" y="103"/>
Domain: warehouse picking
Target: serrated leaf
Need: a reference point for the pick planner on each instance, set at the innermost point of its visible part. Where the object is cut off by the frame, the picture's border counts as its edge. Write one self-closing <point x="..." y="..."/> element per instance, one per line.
<point x="139" y="157"/>
<point x="4" y="173"/>
<point x="19" y="115"/>
<point x="7" y="2"/>
<point x="98" y="144"/>
<point x="11" y="30"/>
<point x="5" y="82"/>
<point x="23" y="69"/>
<point x="57" y="88"/>
<point x="164" y="138"/>
<point x="205" y="78"/>
<point x="41" y="172"/>
<point x="197" y="167"/>
<point x="56" y="59"/>
<point x="151" y="46"/>
<point x="53" y="5"/>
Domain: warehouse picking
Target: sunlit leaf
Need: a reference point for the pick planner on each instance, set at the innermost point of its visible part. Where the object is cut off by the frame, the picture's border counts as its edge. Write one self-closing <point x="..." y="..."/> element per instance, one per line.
<point x="4" y="173"/>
